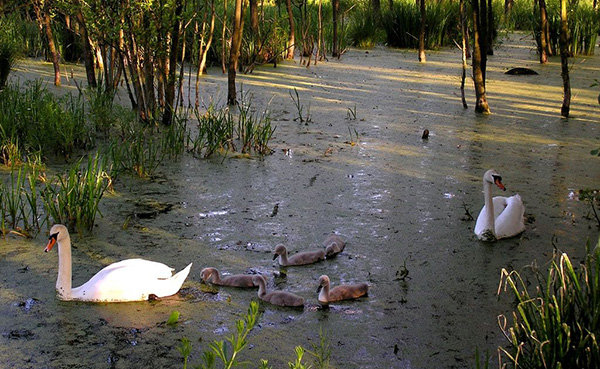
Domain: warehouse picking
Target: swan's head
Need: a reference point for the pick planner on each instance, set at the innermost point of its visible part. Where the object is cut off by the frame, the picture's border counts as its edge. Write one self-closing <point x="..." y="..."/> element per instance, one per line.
<point x="492" y="176"/>
<point x="323" y="281"/>
<point x="279" y="250"/>
<point x="58" y="233"/>
<point x="257" y="280"/>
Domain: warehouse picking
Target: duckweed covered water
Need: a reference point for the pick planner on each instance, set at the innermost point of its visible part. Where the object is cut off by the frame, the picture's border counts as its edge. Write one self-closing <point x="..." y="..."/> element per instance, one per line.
<point x="399" y="201"/>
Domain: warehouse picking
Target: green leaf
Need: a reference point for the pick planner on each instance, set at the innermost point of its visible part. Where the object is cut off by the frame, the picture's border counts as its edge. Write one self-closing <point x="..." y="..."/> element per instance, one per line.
<point x="174" y="318"/>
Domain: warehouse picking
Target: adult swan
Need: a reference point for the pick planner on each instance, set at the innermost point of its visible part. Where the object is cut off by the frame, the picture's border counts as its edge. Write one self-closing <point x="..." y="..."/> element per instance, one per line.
<point x="500" y="217"/>
<point x="127" y="280"/>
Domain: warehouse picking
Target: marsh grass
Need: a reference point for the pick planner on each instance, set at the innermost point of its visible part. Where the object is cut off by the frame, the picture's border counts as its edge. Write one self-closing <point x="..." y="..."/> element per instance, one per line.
<point x="226" y="351"/>
<point x="403" y="22"/>
<point x="19" y="206"/>
<point x="34" y="120"/>
<point x="73" y="198"/>
<point x="301" y="116"/>
<point x="220" y="131"/>
<point x="557" y="324"/>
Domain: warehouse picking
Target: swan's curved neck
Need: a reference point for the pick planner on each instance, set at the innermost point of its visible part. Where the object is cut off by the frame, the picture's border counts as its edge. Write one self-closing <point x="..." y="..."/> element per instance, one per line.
<point x="64" y="280"/>
<point x="216" y="277"/>
<point x="283" y="259"/>
<point x="489" y="207"/>
<point x="262" y="289"/>
<point x="324" y="293"/>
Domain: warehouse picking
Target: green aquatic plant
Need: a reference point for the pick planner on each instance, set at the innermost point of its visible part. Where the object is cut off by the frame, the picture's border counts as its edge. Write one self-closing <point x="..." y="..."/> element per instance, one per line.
<point x="303" y="118"/>
<point x="73" y="198"/>
<point x="226" y="351"/>
<point x="556" y="325"/>
<point x="321" y="351"/>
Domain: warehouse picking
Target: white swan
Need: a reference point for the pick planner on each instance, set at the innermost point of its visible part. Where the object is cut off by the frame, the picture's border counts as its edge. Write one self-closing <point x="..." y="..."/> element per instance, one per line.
<point x="127" y="280"/>
<point x="500" y="217"/>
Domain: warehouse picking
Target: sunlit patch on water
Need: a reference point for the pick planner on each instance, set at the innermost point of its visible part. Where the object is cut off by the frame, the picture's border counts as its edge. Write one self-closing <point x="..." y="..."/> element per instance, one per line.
<point x="212" y="214"/>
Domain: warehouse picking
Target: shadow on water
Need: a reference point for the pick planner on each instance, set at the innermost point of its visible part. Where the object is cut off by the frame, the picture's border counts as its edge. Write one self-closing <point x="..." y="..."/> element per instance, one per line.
<point x="397" y="200"/>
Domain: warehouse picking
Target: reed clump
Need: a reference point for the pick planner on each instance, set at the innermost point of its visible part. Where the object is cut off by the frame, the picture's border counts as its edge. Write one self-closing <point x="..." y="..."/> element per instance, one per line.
<point x="221" y="131"/>
<point x="556" y="325"/>
<point x="73" y="198"/>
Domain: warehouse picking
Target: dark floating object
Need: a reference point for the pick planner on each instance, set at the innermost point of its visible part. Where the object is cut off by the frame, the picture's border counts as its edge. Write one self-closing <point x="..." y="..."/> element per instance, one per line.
<point x="425" y="134"/>
<point x="521" y="71"/>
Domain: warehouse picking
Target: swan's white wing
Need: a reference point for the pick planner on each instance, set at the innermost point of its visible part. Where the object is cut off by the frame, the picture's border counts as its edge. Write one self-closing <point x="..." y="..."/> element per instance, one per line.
<point x="511" y="222"/>
<point x="127" y="280"/>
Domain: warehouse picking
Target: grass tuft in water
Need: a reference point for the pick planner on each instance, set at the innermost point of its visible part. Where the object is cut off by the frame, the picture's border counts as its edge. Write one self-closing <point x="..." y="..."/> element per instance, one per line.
<point x="300" y="108"/>
<point x="556" y="325"/>
<point x="226" y="351"/>
<point x="72" y="199"/>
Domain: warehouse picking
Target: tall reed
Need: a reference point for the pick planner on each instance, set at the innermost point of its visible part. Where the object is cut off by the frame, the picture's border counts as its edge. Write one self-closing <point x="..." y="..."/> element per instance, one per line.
<point x="557" y="325"/>
<point x="73" y="198"/>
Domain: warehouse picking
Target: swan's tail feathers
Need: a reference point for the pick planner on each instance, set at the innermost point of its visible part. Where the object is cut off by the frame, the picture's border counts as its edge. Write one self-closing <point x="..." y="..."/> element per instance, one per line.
<point x="171" y="285"/>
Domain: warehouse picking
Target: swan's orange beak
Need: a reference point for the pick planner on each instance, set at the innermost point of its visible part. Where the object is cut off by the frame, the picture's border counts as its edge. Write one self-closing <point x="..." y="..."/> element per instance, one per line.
<point x="51" y="242"/>
<point x="498" y="183"/>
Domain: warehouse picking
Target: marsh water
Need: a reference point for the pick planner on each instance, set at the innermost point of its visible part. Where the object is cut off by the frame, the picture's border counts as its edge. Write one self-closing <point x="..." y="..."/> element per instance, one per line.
<point x="398" y="200"/>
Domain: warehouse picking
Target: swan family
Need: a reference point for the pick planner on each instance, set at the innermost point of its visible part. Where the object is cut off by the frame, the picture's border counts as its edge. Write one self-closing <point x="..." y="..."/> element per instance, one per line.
<point x="139" y="279"/>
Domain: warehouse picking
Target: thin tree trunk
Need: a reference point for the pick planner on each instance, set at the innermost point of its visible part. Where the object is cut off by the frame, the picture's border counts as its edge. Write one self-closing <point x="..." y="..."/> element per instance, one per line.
<point x="564" y="59"/>
<point x="376" y="4"/>
<point x="319" y="31"/>
<point x="490" y="28"/>
<point x="463" y="29"/>
<point x="223" y="40"/>
<point x="479" y="56"/>
<point x="254" y="17"/>
<point x="234" y="54"/>
<point x="336" y="9"/>
<point x="88" y="56"/>
<point x="45" y="25"/>
<point x="167" y="118"/>
<point x="292" y="37"/>
<point x="543" y="47"/>
<point x="508" y="4"/>
<point x="422" y="56"/>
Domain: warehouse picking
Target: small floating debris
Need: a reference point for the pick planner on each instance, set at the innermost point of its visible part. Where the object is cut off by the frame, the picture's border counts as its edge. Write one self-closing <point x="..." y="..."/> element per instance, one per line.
<point x="520" y="71"/>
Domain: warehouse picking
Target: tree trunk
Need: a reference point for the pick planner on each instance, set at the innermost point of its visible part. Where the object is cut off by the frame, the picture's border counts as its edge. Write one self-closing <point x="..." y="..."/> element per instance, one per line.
<point x="336" y="8"/>
<point x="254" y="17"/>
<point x="422" y="56"/>
<point x="167" y="118"/>
<point x="543" y="41"/>
<point x="508" y="4"/>
<point x="564" y="59"/>
<point x="376" y="4"/>
<point x="319" y="31"/>
<point x="223" y="40"/>
<point x="490" y="28"/>
<point x="292" y="38"/>
<point x="43" y="17"/>
<point x="234" y="54"/>
<point x="88" y="56"/>
<point x="463" y="28"/>
<point x="479" y="55"/>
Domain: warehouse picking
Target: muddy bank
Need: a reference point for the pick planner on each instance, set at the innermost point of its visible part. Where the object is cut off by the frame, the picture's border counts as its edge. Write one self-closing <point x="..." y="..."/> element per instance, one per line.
<point x="394" y="197"/>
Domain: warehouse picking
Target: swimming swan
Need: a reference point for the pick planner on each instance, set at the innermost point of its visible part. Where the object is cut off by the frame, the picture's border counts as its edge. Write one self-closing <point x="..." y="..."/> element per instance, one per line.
<point x="127" y="280"/>
<point x="333" y="245"/>
<point x="280" y="298"/>
<point x="301" y="258"/>
<point x="341" y="292"/>
<point x="500" y="217"/>
<point x="237" y="280"/>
